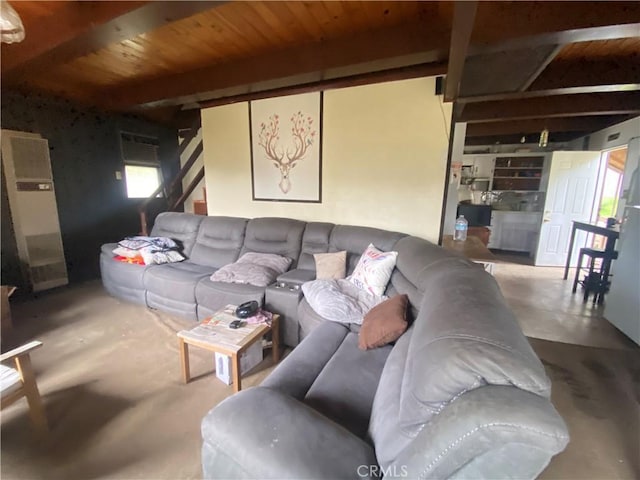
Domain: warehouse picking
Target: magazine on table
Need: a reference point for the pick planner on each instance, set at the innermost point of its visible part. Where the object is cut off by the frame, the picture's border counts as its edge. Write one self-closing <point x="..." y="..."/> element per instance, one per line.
<point x="215" y="329"/>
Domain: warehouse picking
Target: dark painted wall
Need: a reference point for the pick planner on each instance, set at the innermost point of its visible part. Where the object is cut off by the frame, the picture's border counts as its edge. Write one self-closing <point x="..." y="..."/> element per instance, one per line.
<point x="85" y="154"/>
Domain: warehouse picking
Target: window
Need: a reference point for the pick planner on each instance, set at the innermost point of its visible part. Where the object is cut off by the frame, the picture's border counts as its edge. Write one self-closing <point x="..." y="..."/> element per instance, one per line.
<point x="142" y="171"/>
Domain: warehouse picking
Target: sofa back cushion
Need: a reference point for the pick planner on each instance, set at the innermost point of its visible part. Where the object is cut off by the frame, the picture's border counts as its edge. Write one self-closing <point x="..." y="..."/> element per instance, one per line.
<point x="181" y="227"/>
<point x="355" y="240"/>
<point x="282" y="236"/>
<point x="219" y="241"/>
<point x="415" y="257"/>
<point x="314" y="240"/>
<point x="464" y="337"/>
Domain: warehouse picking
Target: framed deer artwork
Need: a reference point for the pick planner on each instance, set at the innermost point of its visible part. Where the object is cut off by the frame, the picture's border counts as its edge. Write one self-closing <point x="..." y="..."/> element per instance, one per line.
<point x="286" y="148"/>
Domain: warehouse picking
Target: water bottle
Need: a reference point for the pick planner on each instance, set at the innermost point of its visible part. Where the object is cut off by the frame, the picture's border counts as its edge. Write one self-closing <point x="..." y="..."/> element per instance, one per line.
<point x="461" y="229"/>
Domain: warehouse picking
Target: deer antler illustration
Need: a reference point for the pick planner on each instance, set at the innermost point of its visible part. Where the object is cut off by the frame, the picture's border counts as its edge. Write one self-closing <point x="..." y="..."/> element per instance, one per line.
<point x="303" y="137"/>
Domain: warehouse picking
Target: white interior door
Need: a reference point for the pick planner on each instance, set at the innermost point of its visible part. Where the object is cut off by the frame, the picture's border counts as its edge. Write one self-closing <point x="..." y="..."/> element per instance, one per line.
<point x="570" y="197"/>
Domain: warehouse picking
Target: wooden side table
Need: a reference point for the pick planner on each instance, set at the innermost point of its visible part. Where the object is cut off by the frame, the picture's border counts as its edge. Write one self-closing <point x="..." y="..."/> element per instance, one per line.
<point x="216" y="341"/>
<point x="473" y="249"/>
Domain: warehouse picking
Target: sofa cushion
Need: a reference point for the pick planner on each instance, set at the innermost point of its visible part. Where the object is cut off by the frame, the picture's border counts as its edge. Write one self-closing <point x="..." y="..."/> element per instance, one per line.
<point x="415" y="257"/>
<point x="181" y="227"/>
<point x="331" y="265"/>
<point x="346" y="386"/>
<point x="175" y="281"/>
<point x="216" y="295"/>
<point x="281" y="236"/>
<point x="297" y="372"/>
<point x="308" y="318"/>
<point x="384" y="323"/>
<point x="315" y="239"/>
<point x="219" y="241"/>
<point x="465" y="337"/>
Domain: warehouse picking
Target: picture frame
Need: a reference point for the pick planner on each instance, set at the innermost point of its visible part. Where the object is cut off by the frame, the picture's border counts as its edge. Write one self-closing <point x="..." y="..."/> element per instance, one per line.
<point x="286" y="148"/>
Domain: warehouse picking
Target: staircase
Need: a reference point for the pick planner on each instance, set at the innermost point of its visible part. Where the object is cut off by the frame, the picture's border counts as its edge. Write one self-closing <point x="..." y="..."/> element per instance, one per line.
<point x="172" y="190"/>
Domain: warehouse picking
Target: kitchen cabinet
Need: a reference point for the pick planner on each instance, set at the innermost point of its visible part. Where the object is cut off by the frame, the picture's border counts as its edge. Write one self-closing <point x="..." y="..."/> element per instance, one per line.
<point x="522" y="173"/>
<point x="515" y="231"/>
<point x="481" y="165"/>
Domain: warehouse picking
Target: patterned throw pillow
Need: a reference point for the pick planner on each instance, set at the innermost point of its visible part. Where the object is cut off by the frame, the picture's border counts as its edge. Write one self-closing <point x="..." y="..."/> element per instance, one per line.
<point x="373" y="271"/>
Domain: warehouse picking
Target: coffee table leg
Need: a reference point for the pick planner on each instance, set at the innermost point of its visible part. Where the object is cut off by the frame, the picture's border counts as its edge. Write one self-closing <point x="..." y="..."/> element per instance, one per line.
<point x="184" y="359"/>
<point x="235" y="366"/>
<point x="275" y="340"/>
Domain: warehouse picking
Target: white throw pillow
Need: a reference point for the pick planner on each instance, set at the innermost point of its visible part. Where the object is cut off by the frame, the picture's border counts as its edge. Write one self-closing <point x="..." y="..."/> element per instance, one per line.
<point x="373" y="271"/>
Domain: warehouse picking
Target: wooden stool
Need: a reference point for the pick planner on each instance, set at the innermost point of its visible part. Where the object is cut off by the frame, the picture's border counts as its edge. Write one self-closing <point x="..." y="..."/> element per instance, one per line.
<point x="596" y="282"/>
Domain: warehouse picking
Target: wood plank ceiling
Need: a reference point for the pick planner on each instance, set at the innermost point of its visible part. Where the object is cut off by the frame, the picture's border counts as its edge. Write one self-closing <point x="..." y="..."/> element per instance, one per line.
<point x="514" y="67"/>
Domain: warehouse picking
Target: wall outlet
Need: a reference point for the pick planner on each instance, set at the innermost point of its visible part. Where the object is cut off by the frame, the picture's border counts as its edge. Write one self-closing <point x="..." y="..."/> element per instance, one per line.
<point x="118" y="175"/>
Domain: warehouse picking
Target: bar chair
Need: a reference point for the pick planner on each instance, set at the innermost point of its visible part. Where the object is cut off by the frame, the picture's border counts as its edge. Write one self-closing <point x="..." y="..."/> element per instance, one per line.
<point x="595" y="281"/>
<point x="20" y="381"/>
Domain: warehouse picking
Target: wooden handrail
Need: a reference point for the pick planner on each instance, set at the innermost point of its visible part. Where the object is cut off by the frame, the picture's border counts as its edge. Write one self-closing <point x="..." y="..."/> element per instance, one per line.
<point x="177" y="181"/>
<point x="186" y="167"/>
<point x="192" y="186"/>
<point x="193" y="131"/>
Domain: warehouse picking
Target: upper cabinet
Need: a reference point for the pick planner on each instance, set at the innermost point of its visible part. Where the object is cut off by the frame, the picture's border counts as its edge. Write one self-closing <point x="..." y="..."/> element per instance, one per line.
<point x="518" y="172"/>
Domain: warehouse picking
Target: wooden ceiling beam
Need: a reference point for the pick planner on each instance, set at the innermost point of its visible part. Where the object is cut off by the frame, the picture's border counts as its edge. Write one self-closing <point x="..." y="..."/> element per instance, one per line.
<point x="586" y="104"/>
<point x="62" y="25"/>
<point x="391" y="75"/>
<point x="104" y="24"/>
<point x="431" y="43"/>
<point x="531" y="126"/>
<point x="464" y="14"/>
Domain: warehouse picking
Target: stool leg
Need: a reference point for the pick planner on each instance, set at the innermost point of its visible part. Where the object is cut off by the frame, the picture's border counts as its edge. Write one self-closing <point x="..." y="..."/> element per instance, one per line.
<point x="577" y="277"/>
<point x="588" y="283"/>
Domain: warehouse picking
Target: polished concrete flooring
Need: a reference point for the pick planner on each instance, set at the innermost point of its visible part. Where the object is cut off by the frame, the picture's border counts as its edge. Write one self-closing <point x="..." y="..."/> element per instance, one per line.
<point x="546" y="308"/>
<point x="110" y="379"/>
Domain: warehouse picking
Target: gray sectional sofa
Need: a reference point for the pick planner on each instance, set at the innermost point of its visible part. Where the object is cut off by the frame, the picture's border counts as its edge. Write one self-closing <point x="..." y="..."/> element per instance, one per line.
<point x="461" y="394"/>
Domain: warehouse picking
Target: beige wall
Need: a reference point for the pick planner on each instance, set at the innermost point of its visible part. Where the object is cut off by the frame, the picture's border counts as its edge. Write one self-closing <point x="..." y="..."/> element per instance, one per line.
<point x="384" y="154"/>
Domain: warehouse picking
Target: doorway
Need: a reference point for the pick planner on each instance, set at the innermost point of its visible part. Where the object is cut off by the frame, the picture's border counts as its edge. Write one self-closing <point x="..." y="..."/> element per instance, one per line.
<point x="609" y="190"/>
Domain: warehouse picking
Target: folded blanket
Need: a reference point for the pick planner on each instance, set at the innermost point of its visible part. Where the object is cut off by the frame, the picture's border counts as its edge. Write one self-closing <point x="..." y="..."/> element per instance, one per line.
<point x="340" y="300"/>
<point x="153" y="250"/>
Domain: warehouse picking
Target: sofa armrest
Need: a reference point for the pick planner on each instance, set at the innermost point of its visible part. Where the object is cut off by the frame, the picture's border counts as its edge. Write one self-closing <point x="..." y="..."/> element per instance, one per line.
<point x="488" y="432"/>
<point x="297" y="276"/>
<point x="263" y="433"/>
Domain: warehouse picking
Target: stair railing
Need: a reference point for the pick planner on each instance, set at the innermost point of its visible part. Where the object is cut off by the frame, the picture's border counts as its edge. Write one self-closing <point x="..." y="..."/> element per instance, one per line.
<point x="174" y="187"/>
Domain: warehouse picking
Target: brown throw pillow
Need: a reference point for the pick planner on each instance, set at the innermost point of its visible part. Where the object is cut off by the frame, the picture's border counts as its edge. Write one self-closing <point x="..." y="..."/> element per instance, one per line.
<point x="384" y="323"/>
<point x="331" y="266"/>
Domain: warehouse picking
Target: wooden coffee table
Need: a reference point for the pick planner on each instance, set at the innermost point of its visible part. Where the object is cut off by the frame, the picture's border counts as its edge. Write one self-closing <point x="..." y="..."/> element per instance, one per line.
<point x="214" y="334"/>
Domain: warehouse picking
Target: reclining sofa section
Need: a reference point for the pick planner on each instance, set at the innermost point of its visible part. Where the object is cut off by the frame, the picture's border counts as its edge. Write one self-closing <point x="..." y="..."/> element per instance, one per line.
<point x="461" y="394"/>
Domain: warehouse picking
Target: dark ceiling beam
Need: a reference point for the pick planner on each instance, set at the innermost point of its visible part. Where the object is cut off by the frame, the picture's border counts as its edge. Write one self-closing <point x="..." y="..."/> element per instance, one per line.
<point x="619" y="87"/>
<point x="554" y="137"/>
<point x="388" y="43"/>
<point x="104" y="24"/>
<point x="391" y="75"/>
<point x="464" y="14"/>
<point x="586" y="104"/>
<point x="581" y="72"/>
<point x="65" y="23"/>
<point x="523" y="127"/>
<point x="497" y="23"/>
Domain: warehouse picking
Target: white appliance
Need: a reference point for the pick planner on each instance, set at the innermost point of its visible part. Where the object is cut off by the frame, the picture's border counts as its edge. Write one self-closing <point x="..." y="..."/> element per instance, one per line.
<point x="622" y="307"/>
<point x="34" y="211"/>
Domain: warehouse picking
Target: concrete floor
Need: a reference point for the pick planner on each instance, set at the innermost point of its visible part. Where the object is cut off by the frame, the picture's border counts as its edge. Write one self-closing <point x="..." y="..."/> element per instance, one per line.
<point x="110" y="379"/>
